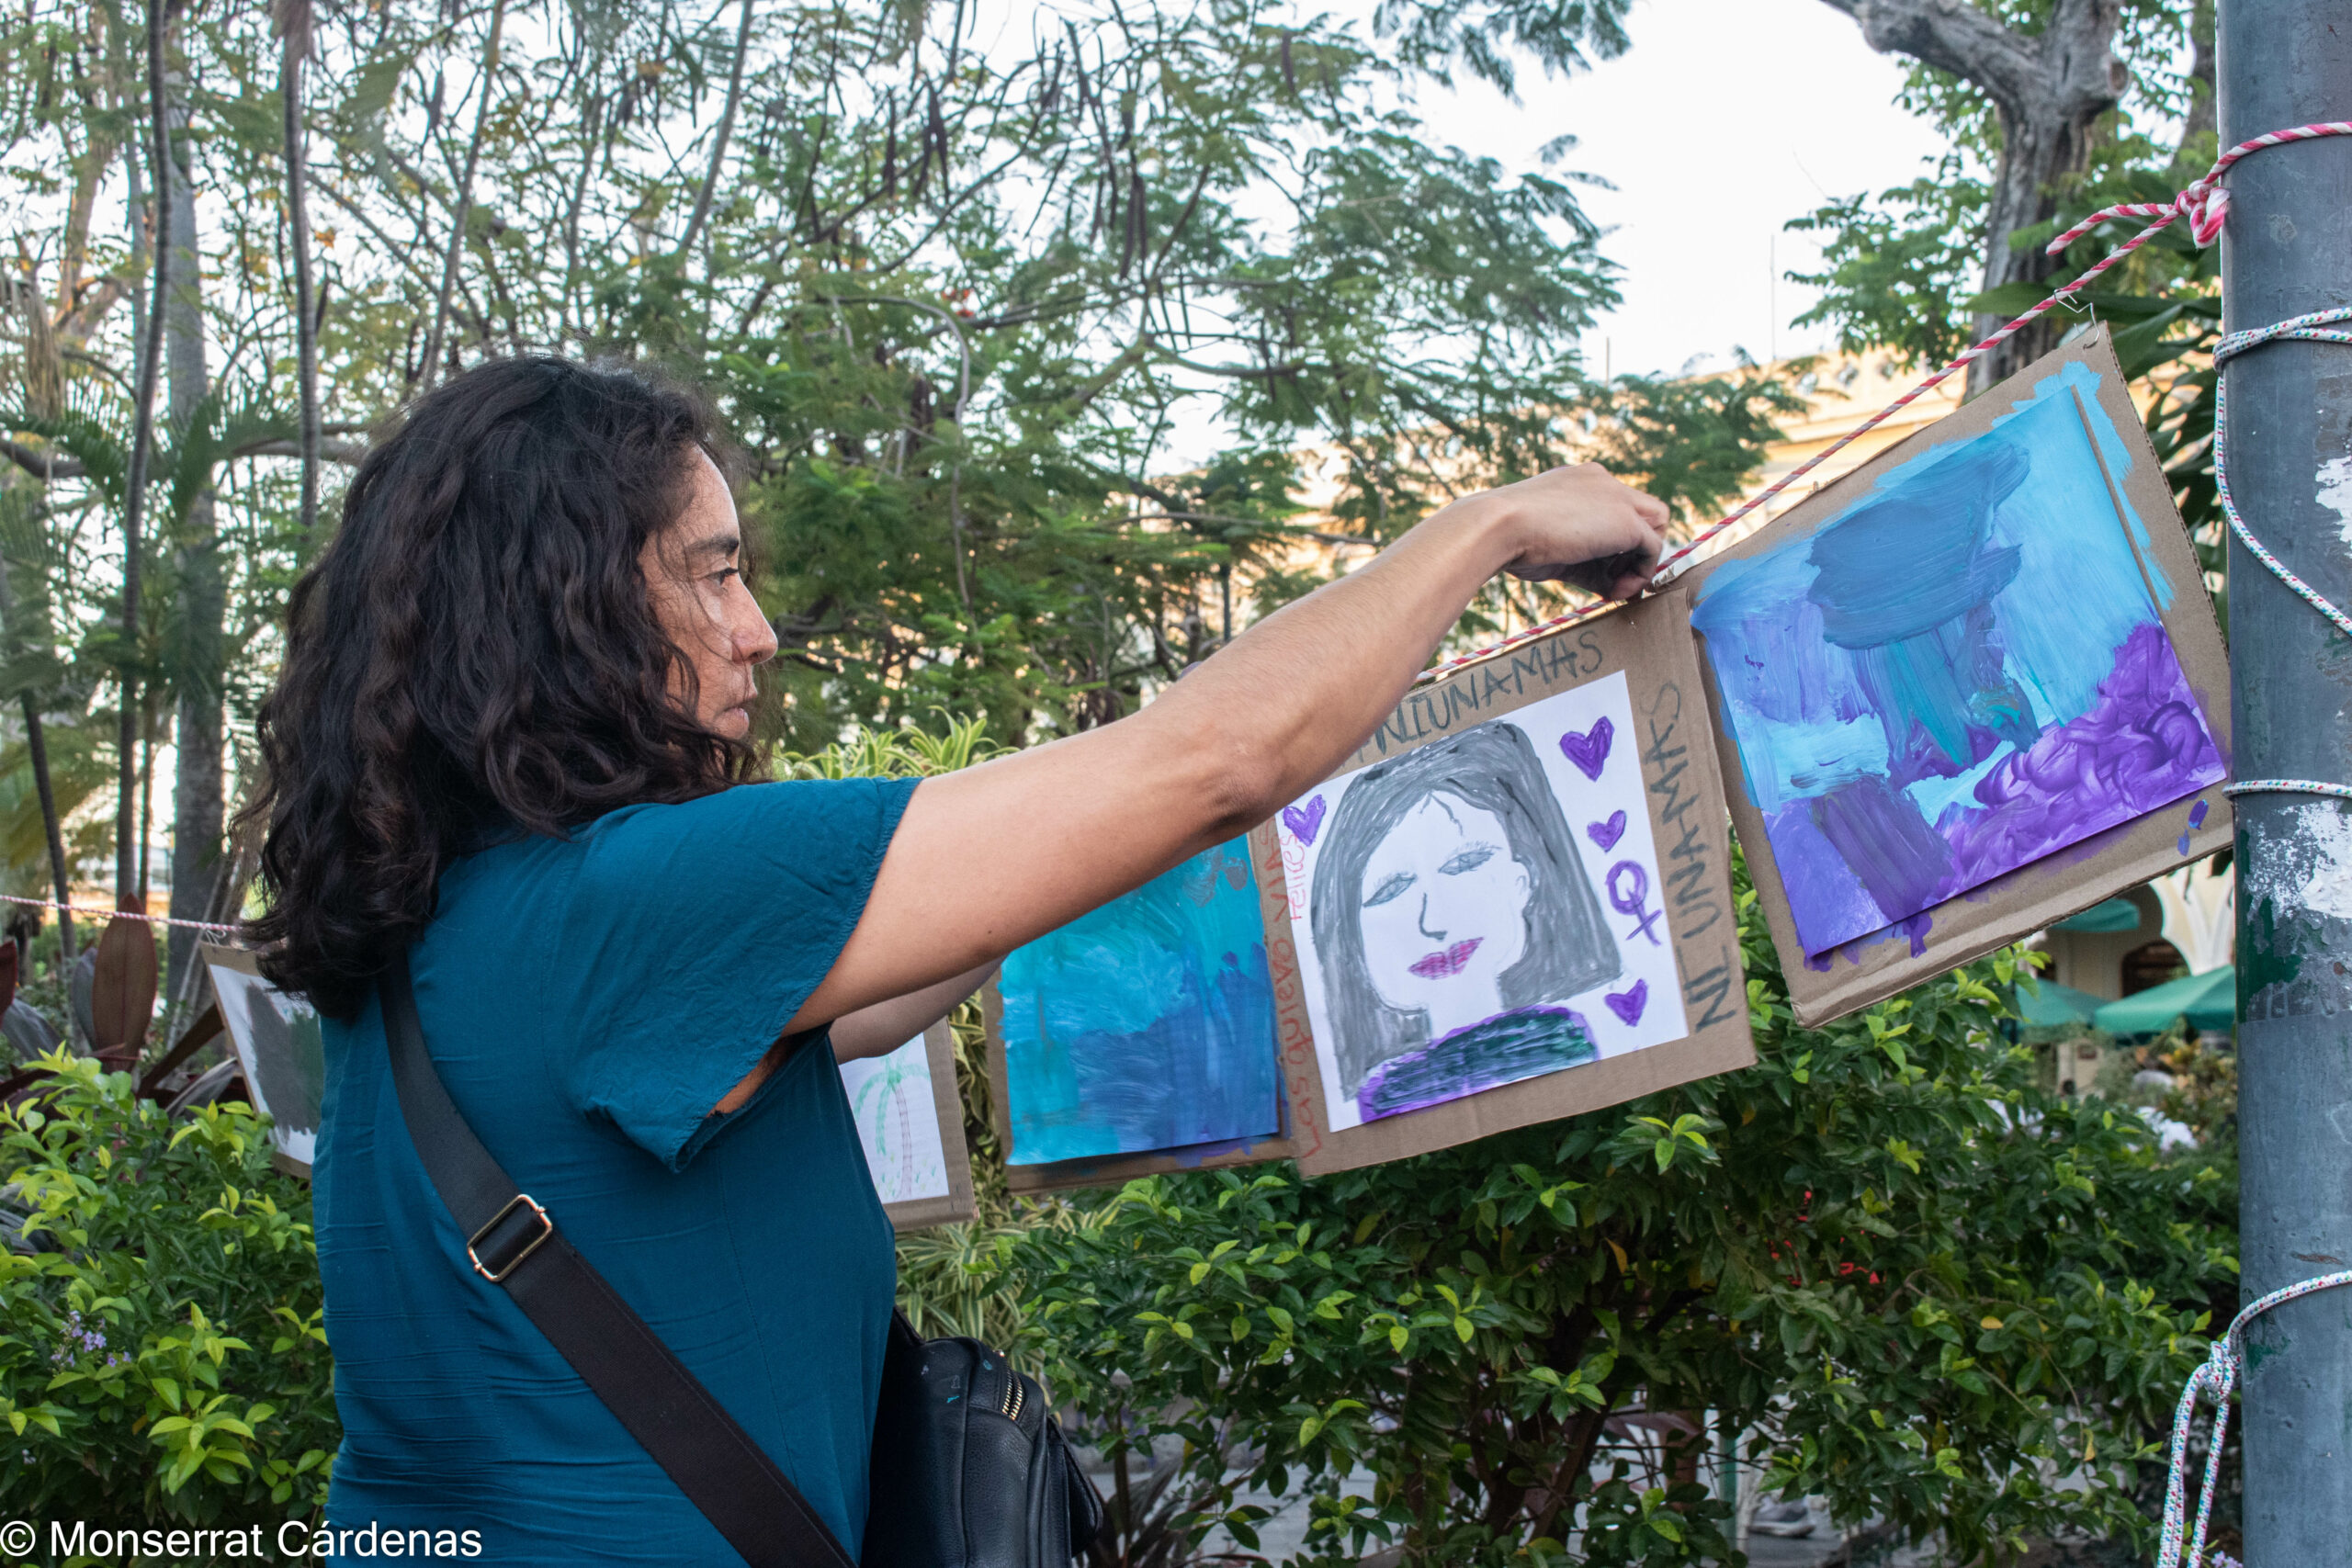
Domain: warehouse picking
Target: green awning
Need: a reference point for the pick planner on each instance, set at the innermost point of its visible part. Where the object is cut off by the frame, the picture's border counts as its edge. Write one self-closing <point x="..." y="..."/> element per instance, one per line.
<point x="2049" y="1005"/>
<point x="2115" y="915"/>
<point x="2209" y="1001"/>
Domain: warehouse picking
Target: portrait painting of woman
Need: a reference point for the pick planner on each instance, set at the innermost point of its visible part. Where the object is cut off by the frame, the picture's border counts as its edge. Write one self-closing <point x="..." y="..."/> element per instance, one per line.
<point x="1453" y="918"/>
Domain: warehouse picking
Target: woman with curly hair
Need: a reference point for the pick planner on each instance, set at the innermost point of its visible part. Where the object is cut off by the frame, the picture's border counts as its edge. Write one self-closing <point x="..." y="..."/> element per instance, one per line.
<point x="510" y="738"/>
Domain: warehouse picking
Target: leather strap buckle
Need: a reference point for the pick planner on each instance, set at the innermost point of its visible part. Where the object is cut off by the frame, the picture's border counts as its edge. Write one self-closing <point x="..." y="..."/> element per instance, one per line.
<point x="509" y="1256"/>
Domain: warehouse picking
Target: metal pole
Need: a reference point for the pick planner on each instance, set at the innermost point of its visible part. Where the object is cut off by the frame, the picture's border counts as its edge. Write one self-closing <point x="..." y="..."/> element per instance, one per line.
<point x="2287" y="250"/>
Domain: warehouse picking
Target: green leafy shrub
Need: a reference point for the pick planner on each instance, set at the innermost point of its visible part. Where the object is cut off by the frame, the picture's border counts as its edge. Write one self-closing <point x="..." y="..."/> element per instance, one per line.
<point x="165" y="1362"/>
<point x="1930" y="1291"/>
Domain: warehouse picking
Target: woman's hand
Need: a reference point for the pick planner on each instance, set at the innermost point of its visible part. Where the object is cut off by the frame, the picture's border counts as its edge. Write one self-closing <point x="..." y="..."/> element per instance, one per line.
<point x="1583" y="525"/>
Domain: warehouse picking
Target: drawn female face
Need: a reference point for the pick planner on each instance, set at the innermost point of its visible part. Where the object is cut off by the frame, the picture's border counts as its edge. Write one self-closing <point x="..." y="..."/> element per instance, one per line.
<point x="1444" y="912"/>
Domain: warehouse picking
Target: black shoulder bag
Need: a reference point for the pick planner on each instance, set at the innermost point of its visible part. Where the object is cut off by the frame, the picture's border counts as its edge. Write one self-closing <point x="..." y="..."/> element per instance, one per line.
<point x="969" y="1469"/>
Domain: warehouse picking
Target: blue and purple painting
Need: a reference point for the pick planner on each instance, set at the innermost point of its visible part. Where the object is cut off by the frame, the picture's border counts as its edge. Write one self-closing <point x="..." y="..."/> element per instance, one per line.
<point x="1148" y="1024"/>
<point x="1958" y="674"/>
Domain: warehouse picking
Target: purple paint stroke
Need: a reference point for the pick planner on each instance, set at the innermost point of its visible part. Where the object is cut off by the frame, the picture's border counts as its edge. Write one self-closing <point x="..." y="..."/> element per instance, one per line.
<point x="1606" y="834"/>
<point x="1914" y="930"/>
<point x="1628" y="1004"/>
<point x="1826" y="898"/>
<point x="1523" y="1044"/>
<point x="1304" y="821"/>
<point x="1634" y="899"/>
<point x="1879" y="834"/>
<point x="1853" y="863"/>
<point x="2197" y="814"/>
<point x="1589" y="750"/>
<point x="2143" y="746"/>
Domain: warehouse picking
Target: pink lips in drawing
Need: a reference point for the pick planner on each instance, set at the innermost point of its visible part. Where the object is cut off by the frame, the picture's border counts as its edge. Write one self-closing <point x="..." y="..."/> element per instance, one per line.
<point x="1452" y="961"/>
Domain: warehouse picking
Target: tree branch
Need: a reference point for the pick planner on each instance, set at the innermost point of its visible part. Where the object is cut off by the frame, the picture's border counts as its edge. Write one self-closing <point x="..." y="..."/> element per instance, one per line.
<point x="1955" y="36"/>
<point x="719" y="137"/>
<point x="430" y="369"/>
<point x="45" y="464"/>
<point x="329" y="451"/>
<point x="39" y="464"/>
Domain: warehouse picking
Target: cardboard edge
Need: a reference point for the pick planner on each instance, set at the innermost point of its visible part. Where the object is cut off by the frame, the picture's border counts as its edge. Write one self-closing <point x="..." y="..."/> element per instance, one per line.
<point x="244" y="960"/>
<point x="1832" y="1003"/>
<point x="1301" y="1074"/>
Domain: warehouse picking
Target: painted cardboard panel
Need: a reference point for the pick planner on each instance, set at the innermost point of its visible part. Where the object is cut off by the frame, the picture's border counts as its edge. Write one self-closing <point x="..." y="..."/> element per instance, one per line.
<point x="1967" y="689"/>
<point x="1142" y="1036"/>
<point x="911" y="1124"/>
<point x="1113" y="1168"/>
<point x="1548" y="826"/>
<point x="1146" y="1024"/>
<point x="279" y="1047"/>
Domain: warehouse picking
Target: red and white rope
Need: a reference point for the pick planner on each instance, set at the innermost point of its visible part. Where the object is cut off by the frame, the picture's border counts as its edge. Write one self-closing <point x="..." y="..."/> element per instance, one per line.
<point x="2205" y="204"/>
<point x="226" y="928"/>
<point x="2180" y="1544"/>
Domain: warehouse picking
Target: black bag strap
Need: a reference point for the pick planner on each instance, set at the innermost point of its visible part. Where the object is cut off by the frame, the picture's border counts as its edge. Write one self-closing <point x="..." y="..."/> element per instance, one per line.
<point x="514" y="1243"/>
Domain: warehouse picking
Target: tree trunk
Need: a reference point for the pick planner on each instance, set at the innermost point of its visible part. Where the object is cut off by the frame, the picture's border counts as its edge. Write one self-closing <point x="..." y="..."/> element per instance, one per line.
<point x="194" y="657"/>
<point x="36" y="747"/>
<point x="294" y="22"/>
<point x="142" y="446"/>
<point x="2035" y="155"/>
<point x="2049" y="91"/>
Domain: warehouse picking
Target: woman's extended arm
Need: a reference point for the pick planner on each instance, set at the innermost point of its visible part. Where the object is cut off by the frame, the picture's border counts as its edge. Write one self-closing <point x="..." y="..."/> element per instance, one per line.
<point x="881" y="1028"/>
<point x="993" y="856"/>
<point x="873" y="1031"/>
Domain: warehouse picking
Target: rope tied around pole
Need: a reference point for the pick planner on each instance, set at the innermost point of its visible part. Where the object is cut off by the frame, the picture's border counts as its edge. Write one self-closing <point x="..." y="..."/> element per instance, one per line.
<point x="2219" y="1378"/>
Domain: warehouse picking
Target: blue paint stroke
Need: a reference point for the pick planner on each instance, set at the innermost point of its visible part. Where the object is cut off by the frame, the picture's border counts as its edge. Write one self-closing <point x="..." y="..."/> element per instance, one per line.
<point x="1146" y="1024"/>
<point x="1960" y="674"/>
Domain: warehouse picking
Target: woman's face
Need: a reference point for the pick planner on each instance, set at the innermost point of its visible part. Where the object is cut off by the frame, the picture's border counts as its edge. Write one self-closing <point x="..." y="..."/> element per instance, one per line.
<point x="694" y="581"/>
<point x="1444" y="912"/>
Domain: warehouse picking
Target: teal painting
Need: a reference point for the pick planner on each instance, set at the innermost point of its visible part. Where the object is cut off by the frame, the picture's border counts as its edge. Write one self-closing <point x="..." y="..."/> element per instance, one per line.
<point x="1146" y="1024"/>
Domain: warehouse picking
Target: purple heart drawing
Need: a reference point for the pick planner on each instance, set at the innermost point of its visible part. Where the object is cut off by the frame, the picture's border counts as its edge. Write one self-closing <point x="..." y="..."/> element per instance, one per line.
<point x="1628" y="1005"/>
<point x="1606" y="834"/>
<point x="1589" y="751"/>
<point x="1304" y="821"/>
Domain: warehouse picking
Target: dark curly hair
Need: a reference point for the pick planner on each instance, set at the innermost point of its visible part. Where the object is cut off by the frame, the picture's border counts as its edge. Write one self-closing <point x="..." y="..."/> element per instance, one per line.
<point x="474" y="657"/>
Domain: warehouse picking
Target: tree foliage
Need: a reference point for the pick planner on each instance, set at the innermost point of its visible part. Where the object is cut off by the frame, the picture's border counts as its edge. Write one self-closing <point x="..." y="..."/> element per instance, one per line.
<point x="1022" y="340"/>
<point x="162" y="1357"/>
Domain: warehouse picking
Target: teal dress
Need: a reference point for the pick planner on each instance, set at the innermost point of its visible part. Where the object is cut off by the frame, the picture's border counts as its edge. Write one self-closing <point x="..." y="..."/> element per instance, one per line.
<point x="588" y="1002"/>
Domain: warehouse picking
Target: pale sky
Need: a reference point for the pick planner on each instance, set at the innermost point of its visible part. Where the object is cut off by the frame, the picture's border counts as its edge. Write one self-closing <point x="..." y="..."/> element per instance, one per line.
<point x="1726" y="119"/>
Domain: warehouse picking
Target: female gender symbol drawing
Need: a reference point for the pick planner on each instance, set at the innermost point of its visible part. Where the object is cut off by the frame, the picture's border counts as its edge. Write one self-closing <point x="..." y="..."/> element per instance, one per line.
<point x="1633" y="899"/>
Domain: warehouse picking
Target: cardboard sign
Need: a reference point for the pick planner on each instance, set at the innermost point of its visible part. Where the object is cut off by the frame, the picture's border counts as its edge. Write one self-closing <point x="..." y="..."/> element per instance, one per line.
<point x="1512" y="905"/>
<point x="1141" y="1029"/>
<point x="1111" y="1169"/>
<point x="1967" y="689"/>
<point x="911" y="1124"/>
<point x="280" y="1049"/>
